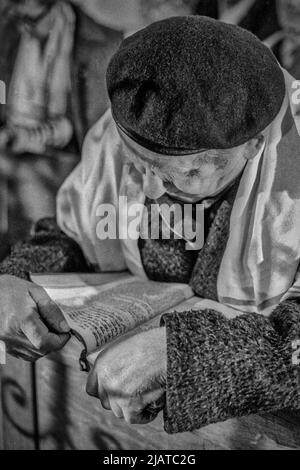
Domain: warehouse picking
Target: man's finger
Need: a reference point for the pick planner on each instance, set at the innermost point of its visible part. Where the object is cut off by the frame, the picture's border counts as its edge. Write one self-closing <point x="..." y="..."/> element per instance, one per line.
<point x="34" y="329"/>
<point x="22" y="348"/>
<point x="94" y="389"/>
<point x="54" y="342"/>
<point x="39" y="336"/>
<point x="22" y="355"/>
<point x="92" y="384"/>
<point x="105" y="401"/>
<point x="116" y="409"/>
<point x="49" y="311"/>
<point x="21" y="344"/>
<point x="53" y="317"/>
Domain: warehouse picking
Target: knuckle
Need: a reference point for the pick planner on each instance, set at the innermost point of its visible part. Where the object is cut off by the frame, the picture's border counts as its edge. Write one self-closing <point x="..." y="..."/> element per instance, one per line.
<point x="90" y="390"/>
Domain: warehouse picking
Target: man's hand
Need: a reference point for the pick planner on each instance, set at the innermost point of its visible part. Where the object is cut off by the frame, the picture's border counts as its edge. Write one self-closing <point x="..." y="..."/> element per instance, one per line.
<point x="31" y="324"/>
<point x="129" y="377"/>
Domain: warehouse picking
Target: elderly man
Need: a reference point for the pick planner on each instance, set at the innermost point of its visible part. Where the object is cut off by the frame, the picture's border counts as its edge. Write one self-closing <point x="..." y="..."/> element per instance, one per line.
<point x="201" y="112"/>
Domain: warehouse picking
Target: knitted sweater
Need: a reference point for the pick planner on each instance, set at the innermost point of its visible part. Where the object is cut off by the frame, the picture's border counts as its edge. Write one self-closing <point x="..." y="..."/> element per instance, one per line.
<point x="217" y="368"/>
<point x="220" y="369"/>
<point x="47" y="250"/>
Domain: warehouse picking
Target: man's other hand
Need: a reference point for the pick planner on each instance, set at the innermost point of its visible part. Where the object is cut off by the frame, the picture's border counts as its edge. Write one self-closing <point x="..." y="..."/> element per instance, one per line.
<point x="129" y="377"/>
<point x="31" y="324"/>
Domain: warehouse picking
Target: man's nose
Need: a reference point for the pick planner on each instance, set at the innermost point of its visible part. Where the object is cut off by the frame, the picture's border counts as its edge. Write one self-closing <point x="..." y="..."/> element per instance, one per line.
<point x="152" y="185"/>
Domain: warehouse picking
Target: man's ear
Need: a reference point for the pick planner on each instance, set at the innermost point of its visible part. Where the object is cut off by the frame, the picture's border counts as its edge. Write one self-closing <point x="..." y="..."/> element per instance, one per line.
<point x="253" y="146"/>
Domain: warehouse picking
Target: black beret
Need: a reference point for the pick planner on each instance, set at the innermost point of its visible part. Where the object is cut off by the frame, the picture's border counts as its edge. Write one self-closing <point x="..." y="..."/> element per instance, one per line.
<point x="190" y="83"/>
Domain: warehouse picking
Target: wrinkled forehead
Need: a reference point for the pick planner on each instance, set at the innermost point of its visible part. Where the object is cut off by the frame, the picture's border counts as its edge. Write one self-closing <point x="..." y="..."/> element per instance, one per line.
<point x="165" y="162"/>
<point x="135" y="152"/>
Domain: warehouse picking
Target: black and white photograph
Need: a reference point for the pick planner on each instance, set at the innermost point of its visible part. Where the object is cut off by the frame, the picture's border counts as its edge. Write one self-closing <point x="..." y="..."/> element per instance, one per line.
<point x="149" y="228"/>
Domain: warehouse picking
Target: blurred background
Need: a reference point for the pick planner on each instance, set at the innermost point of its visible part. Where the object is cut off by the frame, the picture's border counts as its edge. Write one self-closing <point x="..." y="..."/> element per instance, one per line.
<point x="53" y="60"/>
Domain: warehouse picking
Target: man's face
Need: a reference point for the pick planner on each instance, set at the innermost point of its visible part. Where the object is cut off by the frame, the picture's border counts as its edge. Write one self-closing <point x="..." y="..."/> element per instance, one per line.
<point x="192" y="177"/>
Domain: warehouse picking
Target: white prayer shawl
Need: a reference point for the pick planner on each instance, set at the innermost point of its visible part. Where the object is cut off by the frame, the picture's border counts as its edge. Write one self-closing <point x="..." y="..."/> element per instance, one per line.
<point x="100" y="179"/>
<point x="261" y="259"/>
